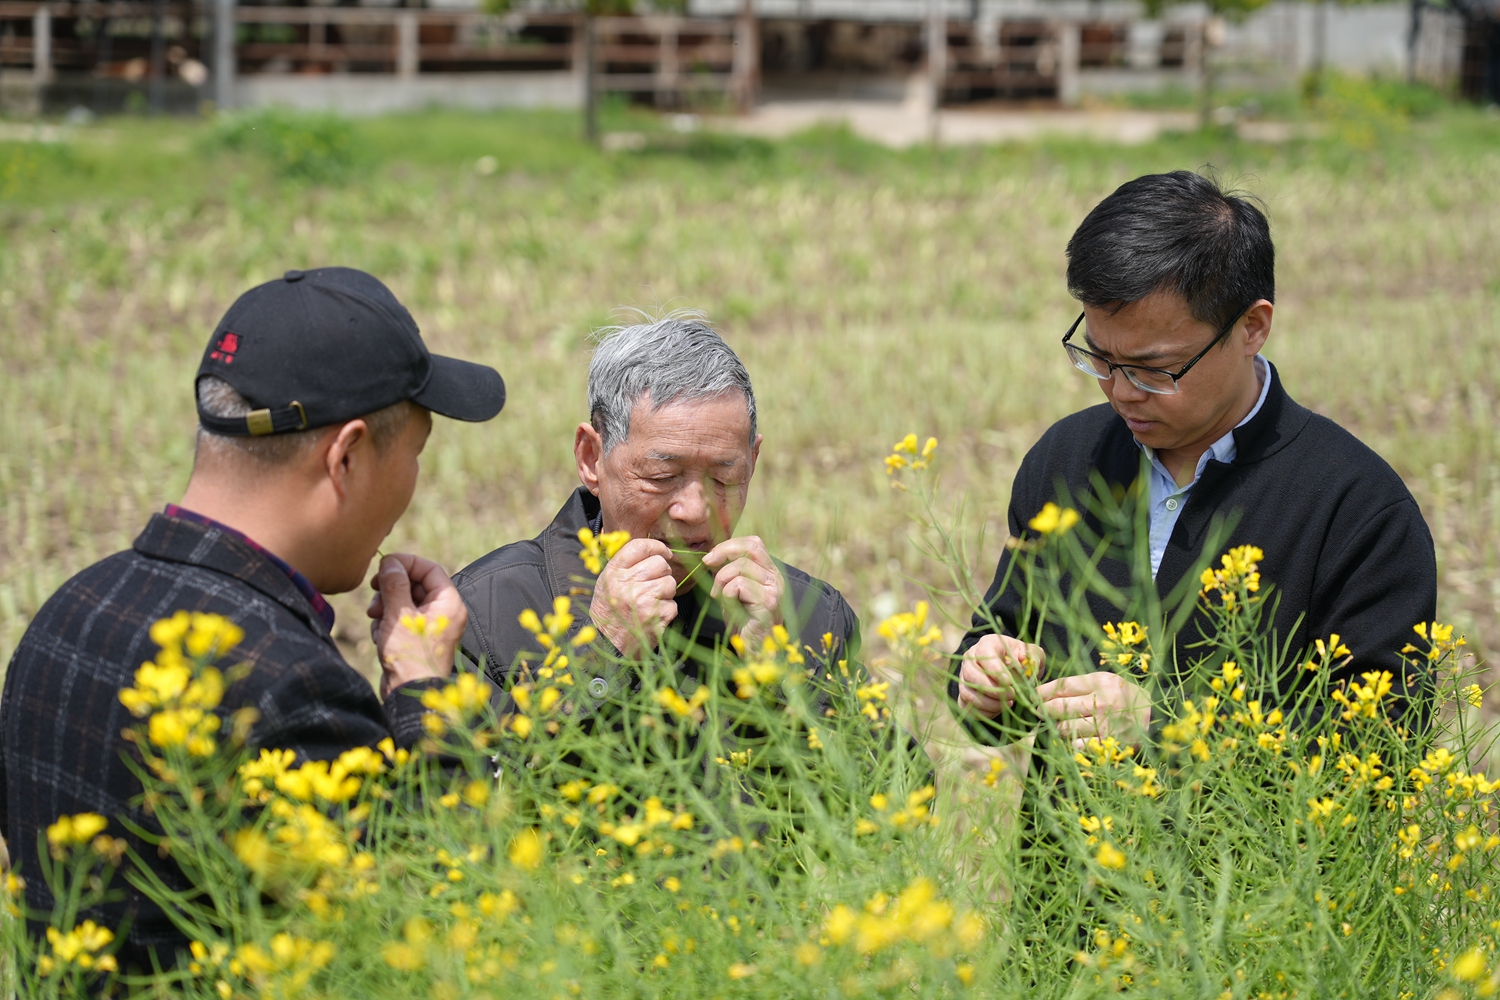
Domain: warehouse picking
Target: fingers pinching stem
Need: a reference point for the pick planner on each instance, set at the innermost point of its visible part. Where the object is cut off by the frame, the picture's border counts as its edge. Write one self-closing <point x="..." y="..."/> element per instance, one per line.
<point x="421" y="619"/>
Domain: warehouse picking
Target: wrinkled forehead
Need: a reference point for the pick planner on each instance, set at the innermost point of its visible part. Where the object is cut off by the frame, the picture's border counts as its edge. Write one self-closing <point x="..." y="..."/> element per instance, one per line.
<point x="712" y="432"/>
<point x="1149" y="330"/>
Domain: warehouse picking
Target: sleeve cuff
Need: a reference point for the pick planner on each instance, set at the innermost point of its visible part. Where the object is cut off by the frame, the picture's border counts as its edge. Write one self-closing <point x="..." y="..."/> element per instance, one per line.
<point x="404" y="710"/>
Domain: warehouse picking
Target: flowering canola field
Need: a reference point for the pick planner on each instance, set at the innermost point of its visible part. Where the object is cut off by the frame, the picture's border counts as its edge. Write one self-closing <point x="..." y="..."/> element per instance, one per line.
<point x="772" y="831"/>
<point x="775" y="831"/>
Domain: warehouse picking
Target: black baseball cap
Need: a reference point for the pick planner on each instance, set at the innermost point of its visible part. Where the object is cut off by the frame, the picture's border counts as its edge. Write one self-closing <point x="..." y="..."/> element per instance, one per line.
<point x="314" y="348"/>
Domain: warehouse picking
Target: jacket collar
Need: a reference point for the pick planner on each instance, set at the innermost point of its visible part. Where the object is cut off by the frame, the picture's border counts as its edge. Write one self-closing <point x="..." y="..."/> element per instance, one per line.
<point x="195" y="544"/>
<point x="1118" y="456"/>
<point x="566" y="573"/>
<point x="1277" y="424"/>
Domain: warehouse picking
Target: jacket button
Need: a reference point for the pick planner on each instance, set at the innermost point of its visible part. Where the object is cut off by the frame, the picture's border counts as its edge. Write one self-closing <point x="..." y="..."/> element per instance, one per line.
<point x="598" y="687"/>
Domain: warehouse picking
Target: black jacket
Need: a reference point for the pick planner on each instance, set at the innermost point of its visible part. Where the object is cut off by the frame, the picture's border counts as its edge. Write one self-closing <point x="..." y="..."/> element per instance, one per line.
<point x="1344" y="541"/>
<point x="529" y="574"/>
<point x="61" y="751"/>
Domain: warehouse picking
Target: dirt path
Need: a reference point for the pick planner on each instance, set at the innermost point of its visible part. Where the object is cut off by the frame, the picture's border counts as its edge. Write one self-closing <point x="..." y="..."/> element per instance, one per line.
<point x="906" y="123"/>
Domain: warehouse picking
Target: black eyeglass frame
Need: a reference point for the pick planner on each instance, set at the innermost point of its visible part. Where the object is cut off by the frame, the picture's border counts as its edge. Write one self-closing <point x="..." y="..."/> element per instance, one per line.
<point x="1127" y="369"/>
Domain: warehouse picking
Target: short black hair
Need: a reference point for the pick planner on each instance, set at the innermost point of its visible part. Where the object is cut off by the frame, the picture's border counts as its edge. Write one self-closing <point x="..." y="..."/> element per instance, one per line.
<point x="1178" y="232"/>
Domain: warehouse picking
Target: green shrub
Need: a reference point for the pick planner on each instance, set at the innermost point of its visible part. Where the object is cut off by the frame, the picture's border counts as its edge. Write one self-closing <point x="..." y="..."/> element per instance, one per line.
<point x="314" y="146"/>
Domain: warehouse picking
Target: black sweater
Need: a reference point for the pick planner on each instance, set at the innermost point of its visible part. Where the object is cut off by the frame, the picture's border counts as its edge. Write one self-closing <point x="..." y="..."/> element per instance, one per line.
<point x="1343" y="538"/>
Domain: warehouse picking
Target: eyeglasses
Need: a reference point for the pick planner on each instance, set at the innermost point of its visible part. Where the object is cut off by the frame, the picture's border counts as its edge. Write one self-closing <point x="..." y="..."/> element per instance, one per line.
<point x="1157" y="380"/>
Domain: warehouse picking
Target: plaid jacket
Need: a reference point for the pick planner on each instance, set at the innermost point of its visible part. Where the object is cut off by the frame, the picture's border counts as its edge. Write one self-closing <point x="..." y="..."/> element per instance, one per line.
<point x="61" y="750"/>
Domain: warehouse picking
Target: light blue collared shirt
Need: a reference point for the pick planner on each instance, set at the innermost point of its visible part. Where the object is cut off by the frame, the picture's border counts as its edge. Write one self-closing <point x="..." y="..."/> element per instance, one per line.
<point x="1167" y="498"/>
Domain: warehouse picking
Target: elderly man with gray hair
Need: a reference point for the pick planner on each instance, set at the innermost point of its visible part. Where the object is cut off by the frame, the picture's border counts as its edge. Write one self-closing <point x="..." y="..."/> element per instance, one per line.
<point x="666" y="455"/>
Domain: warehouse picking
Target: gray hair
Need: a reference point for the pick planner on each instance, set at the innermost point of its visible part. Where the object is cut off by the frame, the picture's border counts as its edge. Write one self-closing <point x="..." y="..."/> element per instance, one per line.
<point x="220" y="399"/>
<point x="675" y="358"/>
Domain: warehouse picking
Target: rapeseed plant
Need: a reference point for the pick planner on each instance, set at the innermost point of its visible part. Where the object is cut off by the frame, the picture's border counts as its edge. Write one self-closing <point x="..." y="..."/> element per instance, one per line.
<point x="767" y="823"/>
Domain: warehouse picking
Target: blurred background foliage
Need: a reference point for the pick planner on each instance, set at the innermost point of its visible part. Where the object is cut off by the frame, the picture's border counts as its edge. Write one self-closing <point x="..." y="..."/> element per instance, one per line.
<point x="871" y="292"/>
<point x="310" y="146"/>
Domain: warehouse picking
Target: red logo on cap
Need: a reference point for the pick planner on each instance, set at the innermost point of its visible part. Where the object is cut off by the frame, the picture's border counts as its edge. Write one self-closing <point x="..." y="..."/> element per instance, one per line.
<point x="227" y="345"/>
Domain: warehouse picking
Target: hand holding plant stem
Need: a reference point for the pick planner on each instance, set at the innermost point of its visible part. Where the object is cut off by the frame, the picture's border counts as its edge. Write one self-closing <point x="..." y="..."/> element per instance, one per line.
<point x="633" y="595"/>
<point x="1099" y="704"/>
<point x="991" y="670"/>
<point x="744" y="572"/>
<point x="418" y="620"/>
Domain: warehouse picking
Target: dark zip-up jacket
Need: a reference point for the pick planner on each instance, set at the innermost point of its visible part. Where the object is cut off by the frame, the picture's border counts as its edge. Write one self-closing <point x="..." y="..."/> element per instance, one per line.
<point x="61" y="749"/>
<point x="1344" y="540"/>
<point x="529" y="574"/>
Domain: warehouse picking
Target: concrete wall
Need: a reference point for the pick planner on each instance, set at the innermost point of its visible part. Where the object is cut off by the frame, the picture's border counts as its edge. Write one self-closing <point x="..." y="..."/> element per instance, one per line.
<point x="1369" y="38"/>
<point x="372" y="94"/>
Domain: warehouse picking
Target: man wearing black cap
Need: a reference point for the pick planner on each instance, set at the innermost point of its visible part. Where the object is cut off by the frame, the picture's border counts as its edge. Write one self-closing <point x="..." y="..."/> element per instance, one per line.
<point x="314" y="402"/>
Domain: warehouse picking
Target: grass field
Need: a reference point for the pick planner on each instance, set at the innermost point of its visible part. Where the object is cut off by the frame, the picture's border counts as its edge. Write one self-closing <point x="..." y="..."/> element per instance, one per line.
<point x="870" y="292"/>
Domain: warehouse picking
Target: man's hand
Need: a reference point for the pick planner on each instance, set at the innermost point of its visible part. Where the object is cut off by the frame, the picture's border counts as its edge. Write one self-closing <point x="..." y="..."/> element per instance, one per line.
<point x="991" y="670"/>
<point x="407" y="586"/>
<point x="633" y="595"/>
<point x="743" y="570"/>
<point x="1099" y="704"/>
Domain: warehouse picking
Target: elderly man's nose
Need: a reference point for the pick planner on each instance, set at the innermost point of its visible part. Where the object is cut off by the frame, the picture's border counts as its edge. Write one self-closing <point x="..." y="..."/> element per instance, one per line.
<point x="690" y="505"/>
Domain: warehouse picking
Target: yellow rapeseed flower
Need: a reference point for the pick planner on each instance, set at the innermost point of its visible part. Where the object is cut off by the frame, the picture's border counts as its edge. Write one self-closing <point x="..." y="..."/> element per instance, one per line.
<point x="1110" y="856"/>
<point x="79" y="946"/>
<point x="499" y="906"/>
<point x="527" y="849"/>
<point x="906" y="455"/>
<point x="1238" y="575"/>
<point x="70" y="831"/>
<point x="969" y="930"/>
<point x="402" y="957"/>
<point x="992" y="774"/>
<point x="680" y="706"/>
<point x="455" y="703"/>
<point x="1439" y="638"/>
<point x="599" y="549"/>
<point x="1118" y="650"/>
<point x="286" y="966"/>
<point x="550" y="630"/>
<point x="841" y="924"/>
<point x="1469" y="966"/>
<point x="1053" y="520"/>
<point x="916" y="915"/>
<point x="1363" y="700"/>
<point x="908" y="631"/>
<point x="268" y="767"/>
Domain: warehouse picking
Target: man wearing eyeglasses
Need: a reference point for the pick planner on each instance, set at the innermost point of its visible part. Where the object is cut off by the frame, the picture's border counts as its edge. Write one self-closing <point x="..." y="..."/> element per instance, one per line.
<point x="1177" y="281"/>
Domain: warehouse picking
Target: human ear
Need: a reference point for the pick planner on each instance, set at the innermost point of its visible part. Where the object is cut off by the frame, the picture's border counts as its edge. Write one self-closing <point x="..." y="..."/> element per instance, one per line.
<point x="346" y="455"/>
<point x="588" y="451"/>
<point x="1257" y="326"/>
<point x="755" y="452"/>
